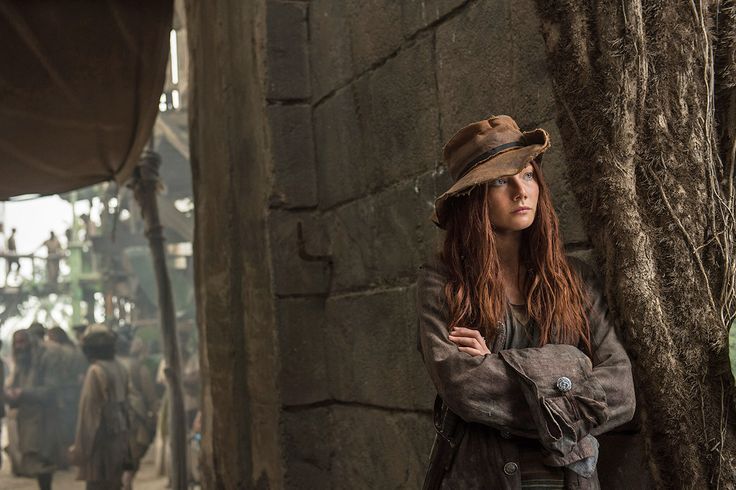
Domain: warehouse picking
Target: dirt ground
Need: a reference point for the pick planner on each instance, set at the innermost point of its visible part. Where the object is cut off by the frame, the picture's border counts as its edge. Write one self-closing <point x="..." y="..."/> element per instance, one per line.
<point x="65" y="480"/>
<point x="146" y="479"/>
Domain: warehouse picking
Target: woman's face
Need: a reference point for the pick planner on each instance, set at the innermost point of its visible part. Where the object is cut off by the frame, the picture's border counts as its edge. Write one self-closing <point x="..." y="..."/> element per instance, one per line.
<point x="513" y="201"/>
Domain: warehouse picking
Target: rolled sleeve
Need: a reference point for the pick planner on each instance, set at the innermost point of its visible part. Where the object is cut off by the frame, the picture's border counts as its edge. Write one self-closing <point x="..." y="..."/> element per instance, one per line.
<point x="517" y="389"/>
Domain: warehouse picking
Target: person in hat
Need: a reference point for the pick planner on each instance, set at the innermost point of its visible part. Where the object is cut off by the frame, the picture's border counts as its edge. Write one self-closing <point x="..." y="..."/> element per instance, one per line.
<point x="513" y="333"/>
<point x="101" y="448"/>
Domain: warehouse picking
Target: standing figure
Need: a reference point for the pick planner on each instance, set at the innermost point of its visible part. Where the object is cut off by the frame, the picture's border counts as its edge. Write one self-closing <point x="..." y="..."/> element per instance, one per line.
<point x="32" y="393"/>
<point x="12" y="250"/>
<point x="515" y="336"/>
<point x="101" y="445"/>
<point x="143" y="404"/>
<point x="72" y="375"/>
<point x="53" y="250"/>
<point x="89" y="227"/>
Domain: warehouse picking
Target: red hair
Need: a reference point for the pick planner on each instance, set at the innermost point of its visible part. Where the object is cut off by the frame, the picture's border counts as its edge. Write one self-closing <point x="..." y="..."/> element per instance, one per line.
<point x="474" y="291"/>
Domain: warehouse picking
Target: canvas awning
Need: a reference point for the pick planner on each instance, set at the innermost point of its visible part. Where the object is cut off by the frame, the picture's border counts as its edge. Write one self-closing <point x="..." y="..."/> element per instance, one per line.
<point x="79" y="90"/>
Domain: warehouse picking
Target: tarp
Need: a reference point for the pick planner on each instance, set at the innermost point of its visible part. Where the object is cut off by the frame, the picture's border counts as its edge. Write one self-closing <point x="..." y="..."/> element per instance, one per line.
<point x="79" y="90"/>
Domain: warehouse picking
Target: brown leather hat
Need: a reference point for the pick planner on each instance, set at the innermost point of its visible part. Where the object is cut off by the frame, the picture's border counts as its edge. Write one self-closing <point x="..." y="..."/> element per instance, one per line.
<point x="484" y="151"/>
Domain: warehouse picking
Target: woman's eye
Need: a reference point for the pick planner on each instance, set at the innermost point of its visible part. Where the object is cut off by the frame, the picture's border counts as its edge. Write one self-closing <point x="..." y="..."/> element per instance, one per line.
<point x="498" y="182"/>
<point x="529" y="176"/>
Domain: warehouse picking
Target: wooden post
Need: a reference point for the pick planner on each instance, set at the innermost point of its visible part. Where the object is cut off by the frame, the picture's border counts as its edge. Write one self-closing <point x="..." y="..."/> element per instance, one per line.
<point x="145" y="184"/>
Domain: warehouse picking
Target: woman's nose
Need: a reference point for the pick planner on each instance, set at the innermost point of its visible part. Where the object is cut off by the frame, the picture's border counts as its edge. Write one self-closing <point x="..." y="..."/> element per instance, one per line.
<point x="518" y="189"/>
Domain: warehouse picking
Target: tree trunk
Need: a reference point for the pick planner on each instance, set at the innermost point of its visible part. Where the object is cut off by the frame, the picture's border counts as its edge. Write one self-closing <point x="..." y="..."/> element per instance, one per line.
<point x="145" y="184"/>
<point x="635" y="86"/>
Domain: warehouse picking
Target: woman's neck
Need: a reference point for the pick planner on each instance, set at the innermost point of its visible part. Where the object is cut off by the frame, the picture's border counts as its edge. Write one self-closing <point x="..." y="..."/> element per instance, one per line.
<point x="508" y="247"/>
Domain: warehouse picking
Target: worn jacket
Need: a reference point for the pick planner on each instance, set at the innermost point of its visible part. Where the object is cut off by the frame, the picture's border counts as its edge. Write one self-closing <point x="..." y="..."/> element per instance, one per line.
<point x="101" y="447"/>
<point x="36" y="412"/>
<point x="486" y="403"/>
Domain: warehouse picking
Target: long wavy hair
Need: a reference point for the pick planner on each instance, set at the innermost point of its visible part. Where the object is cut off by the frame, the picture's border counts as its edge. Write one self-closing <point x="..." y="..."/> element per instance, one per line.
<point x="475" y="294"/>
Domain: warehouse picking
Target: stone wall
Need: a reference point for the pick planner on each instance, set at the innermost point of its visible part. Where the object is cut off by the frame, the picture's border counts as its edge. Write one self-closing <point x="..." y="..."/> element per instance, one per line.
<point x="324" y="150"/>
<point x="362" y="95"/>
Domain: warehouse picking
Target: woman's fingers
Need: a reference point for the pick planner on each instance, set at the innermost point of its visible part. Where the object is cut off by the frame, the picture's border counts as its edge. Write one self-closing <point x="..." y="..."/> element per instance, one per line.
<point x="465" y="341"/>
<point x="471" y="351"/>
<point x="469" y="338"/>
<point x="466" y="332"/>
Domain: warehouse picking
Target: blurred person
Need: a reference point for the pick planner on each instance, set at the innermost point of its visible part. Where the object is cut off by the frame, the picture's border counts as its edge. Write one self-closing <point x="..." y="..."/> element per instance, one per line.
<point x="101" y="448"/>
<point x="195" y="449"/>
<point x="79" y="363"/>
<point x="161" y="446"/>
<point x="190" y="380"/>
<point x="89" y="227"/>
<point x="38" y="331"/>
<point x="79" y="329"/>
<point x="72" y="364"/>
<point x="142" y="401"/>
<point x="53" y="251"/>
<point x="32" y="392"/>
<point x="12" y="250"/>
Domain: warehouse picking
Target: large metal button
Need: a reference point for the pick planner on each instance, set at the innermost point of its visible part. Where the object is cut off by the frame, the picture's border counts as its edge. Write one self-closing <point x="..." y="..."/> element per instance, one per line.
<point x="564" y="384"/>
<point x="506" y="434"/>
<point x="510" y="468"/>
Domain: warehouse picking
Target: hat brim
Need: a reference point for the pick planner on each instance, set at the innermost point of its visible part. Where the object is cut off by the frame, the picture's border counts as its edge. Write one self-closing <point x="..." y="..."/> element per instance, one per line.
<point x="505" y="164"/>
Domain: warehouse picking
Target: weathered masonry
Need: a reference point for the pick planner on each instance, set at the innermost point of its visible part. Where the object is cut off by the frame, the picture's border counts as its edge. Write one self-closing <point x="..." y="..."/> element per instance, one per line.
<point x="317" y="129"/>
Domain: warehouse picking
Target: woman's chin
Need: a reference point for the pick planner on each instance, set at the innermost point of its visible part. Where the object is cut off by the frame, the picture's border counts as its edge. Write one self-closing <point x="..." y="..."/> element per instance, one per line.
<point x="520" y="223"/>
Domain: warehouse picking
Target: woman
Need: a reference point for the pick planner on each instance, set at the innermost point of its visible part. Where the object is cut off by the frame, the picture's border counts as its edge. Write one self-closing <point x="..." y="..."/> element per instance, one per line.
<point x="514" y="335"/>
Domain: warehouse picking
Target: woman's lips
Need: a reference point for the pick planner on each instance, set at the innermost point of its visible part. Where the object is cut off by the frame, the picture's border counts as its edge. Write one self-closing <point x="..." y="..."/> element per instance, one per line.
<point x="521" y="210"/>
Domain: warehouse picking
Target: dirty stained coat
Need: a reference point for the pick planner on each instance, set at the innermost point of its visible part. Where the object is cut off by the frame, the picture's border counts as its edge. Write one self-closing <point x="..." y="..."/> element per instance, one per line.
<point x="101" y="443"/>
<point x="511" y="393"/>
<point x="36" y="411"/>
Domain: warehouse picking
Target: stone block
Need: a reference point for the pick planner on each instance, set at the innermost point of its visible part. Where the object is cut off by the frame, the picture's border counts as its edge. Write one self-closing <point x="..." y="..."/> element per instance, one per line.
<point x="292" y="148"/>
<point x="371" y="349"/>
<point x="308" y="444"/>
<point x="417" y="14"/>
<point x="286" y="48"/>
<point x="500" y="44"/>
<point x="429" y="186"/>
<point x="399" y="243"/>
<point x="474" y="65"/>
<point x="303" y="376"/>
<point x="554" y="167"/>
<point x="293" y="275"/>
<point x="350" y="229"/>
<point x="341" y="170"/>
<point x="379" y="449"/>
<point x="330" y="48"/>
<point x="399" y="120"/>
<point x="378" y="239"/>
<point x="375" y="31"/>
<point x="384" y="238"/>
<point x="533" y="97"/>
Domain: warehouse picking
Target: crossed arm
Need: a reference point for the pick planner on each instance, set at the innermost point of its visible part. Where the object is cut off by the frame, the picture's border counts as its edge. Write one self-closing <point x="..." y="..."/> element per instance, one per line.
<point x="483" y="387"/>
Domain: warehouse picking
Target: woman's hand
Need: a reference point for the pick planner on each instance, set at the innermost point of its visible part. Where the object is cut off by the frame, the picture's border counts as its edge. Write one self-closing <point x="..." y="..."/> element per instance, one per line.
<point x="469" y="341"/>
